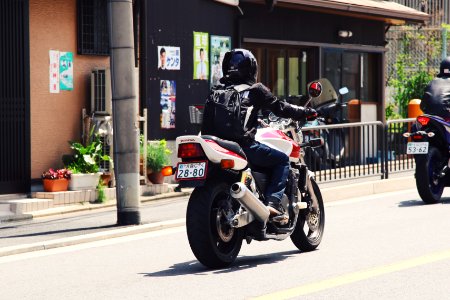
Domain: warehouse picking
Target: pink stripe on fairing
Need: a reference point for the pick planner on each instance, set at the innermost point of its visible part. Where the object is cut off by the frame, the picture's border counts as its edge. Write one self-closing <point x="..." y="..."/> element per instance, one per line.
<point x="220" y="149"/>
<point x="278" y="134"/>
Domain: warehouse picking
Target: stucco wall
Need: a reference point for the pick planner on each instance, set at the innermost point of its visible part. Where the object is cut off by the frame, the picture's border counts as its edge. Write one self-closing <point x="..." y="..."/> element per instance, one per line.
<point x="55" y="118"/>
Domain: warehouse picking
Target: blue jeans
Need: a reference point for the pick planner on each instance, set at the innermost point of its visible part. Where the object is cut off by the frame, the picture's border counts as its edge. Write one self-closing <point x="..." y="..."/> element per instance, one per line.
<point x="263" y="156"/>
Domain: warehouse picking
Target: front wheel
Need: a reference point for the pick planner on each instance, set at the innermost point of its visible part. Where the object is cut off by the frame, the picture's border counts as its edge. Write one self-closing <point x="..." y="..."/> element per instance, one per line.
<point x="213" y="241"/>
<point x="429" y="185"/>
<point x="308" y="231"/>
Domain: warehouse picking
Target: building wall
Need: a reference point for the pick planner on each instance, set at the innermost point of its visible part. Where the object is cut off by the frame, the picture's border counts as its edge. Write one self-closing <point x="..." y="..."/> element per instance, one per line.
<point x="55" y="118"/>
<point x="307" y="26"/>
<point x="175" y="28"/>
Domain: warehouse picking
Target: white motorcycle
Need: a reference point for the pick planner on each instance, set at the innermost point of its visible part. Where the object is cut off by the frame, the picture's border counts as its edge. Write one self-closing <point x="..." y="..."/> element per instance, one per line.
<point x="227" y="204"/>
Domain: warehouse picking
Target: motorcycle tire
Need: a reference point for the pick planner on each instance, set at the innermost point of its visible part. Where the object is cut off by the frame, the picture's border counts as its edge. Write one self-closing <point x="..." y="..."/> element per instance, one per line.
<point x="212" y="240"/>
<point x="306" y="237"/>
<point x="429" y="187"/>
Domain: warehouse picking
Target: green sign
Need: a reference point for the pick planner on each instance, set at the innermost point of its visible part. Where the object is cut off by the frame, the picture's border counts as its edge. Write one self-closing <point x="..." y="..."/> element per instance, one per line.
<point x="66" y="71"/>
<point x="201" y="55"/>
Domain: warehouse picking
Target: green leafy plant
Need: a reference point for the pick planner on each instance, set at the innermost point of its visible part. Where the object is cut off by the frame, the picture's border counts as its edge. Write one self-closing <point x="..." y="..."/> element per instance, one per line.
<point x="101" y="192"/>
<point x="410" y="84"/>
<point x="158" y="155"/>
<point x="86" y="159"/>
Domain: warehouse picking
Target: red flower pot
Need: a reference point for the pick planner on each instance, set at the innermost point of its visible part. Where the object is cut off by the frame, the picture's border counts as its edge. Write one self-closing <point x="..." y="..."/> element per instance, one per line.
<point x="55" y="185"/>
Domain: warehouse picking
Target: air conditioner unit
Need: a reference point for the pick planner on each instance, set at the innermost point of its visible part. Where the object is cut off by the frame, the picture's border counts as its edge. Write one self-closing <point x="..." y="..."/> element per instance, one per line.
<point x="101" y="99"/>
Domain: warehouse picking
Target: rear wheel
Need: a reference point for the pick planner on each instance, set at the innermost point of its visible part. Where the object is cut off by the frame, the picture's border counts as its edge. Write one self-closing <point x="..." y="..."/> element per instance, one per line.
<point x="213" y="241"/>
<point x="308" y="231"/>
<point x="429" y="185"/>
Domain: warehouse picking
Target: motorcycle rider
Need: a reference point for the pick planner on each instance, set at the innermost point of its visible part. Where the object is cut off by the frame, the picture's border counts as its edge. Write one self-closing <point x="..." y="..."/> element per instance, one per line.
<point x="239" y="66"/>
<point x="436" y="99"/>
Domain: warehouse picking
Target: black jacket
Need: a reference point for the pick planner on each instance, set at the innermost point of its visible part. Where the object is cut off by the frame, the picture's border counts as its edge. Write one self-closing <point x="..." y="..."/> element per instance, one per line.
<point x="436" y="100"/>
<point x="258" y="97"/>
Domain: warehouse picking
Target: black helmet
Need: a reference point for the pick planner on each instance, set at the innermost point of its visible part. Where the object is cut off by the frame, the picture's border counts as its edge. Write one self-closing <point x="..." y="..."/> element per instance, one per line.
<point x="444" y="70"/>
<point x="239" y="66"/>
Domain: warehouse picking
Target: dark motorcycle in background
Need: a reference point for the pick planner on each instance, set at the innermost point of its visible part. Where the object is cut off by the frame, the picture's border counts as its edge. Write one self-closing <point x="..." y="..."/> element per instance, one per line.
<point x="429" y="143"/>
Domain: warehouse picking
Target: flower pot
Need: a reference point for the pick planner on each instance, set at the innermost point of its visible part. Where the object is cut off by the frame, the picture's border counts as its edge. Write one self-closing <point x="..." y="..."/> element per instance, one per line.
<point x="84" y="181"/>
<point x="156" y="177"/>
<point x="55" y="185"/>
<point x="106" y="178"/>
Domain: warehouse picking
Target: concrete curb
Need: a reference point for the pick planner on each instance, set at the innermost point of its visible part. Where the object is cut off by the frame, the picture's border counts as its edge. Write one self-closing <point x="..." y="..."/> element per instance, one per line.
<point x="92" y="237"/>
<point x="93" y="206"/>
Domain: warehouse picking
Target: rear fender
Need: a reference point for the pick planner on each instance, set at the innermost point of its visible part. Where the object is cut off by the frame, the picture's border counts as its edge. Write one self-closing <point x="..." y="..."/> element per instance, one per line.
<point x="440" y="140"/>
<point x="213" y="151"/>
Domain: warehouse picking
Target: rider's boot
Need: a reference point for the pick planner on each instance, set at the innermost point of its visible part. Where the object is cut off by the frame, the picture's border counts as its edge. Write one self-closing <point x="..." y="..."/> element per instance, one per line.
<point x="277" y="212"/>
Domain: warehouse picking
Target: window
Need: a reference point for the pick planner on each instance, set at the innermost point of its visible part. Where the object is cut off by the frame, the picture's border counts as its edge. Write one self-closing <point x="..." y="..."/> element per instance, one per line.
<point x="92" y="27"/>
<point x="284" y="70"/>
<point x="359" y="72"/>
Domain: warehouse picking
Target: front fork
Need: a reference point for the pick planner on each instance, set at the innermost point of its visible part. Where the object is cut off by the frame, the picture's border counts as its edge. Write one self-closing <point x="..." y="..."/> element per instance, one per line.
<point x="305" y="186"/>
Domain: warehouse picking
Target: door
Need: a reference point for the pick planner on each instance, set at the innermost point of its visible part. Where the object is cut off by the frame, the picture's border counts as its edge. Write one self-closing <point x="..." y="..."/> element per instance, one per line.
<point x="14" y="97"/>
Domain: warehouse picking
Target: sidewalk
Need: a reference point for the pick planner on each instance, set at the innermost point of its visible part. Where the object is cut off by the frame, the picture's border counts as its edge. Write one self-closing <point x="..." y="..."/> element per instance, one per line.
<point x="75" y="224"/>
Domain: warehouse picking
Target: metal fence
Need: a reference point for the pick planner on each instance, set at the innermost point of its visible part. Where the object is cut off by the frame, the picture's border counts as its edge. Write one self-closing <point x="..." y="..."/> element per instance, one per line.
<point x="439" y="10"/>
<point x="415" y="45"/>
<point x="355" y="150"/>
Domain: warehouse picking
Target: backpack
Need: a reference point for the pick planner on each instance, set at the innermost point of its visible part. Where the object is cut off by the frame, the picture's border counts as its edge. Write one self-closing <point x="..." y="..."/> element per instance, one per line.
<point x="222" y="115"/>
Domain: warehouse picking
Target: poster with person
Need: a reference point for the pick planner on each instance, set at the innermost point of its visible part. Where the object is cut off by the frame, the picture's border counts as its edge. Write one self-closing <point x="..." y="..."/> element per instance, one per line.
<point x="169" y="58"/>
<point x="201" y="61"/>
<point x="219" y="46"/>
<point x="168" y="99"/>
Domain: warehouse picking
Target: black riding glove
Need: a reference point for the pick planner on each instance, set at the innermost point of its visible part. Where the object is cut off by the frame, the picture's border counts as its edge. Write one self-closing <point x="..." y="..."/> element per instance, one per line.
<point x="310" y="114"/>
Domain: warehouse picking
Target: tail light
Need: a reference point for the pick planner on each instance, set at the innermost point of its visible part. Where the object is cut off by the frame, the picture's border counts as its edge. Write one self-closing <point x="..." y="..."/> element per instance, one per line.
<point x="190" y="150"/>
<point x="227" y="164"/>
<point x="423" y="120"/>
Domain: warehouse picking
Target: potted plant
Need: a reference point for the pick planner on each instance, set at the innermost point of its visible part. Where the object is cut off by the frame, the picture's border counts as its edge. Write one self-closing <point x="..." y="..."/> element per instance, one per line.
<point x="84" y="164"/>
<point x="158" y="156"/>
<point x="56" y="180"/>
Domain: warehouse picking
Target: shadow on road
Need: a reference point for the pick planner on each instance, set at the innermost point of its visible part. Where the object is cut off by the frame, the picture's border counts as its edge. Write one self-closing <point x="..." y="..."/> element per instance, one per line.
<point x="241" y="263"/>
<point x="419" y="202"/>
<point x="59" y="231"/>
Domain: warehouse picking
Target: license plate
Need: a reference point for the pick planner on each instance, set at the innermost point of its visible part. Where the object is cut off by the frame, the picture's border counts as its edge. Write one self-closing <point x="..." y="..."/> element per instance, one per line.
<point x="417" y="148"/>
<point x="192" y="170"/>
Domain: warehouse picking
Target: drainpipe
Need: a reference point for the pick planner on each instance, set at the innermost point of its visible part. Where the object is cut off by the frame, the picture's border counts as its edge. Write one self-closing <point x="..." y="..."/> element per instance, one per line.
<point x="125" y="111"/>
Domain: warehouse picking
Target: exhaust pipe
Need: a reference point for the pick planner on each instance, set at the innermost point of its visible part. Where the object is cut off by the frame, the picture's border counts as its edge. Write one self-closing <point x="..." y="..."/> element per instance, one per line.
<point x="246" y="198"/>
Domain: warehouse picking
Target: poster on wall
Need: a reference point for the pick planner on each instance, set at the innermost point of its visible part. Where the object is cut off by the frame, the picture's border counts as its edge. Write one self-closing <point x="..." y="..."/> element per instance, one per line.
<point x="169" y="58"/>
<point x="54" y="71"/>
<point x="219" y="46"/>
<point x="168" y="98"/>
<point x="201" y="63"/>
<point x="66" y="71"/>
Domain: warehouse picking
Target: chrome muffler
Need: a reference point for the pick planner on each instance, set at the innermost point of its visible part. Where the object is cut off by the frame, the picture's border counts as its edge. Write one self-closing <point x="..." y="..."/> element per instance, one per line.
<point x="248" y="200"/>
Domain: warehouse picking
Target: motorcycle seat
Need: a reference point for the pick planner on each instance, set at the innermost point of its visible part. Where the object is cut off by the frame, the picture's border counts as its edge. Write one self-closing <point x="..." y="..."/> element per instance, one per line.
<point x="229" y="145"/>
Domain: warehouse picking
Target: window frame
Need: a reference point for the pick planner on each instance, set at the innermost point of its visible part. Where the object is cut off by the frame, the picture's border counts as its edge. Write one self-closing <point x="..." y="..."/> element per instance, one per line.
<point x="92" y="34"/>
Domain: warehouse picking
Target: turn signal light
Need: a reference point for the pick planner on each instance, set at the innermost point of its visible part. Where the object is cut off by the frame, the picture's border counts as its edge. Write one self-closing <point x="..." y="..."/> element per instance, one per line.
<point x="423" y="120"/>
<point x="167" y="171"/>
<point x="190" y="150"/>
<point x="227" y="164"/>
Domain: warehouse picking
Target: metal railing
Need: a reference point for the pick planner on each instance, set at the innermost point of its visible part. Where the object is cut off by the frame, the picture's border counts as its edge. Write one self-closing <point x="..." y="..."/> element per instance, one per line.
<point x="350" y="150"/>
<point x="396" y="159"/>
<point x="354" y="150"/>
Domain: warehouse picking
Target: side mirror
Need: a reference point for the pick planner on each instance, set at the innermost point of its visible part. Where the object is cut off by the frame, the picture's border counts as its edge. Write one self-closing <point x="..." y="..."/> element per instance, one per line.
<point x="315" y="89"/>
<point x="343" y="90"/>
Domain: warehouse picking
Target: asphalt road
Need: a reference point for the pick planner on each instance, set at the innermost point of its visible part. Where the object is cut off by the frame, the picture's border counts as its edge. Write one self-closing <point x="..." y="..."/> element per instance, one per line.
<point x="386" y="246"/>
